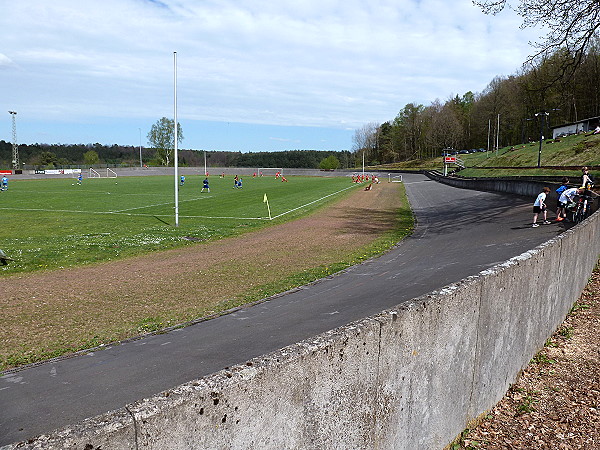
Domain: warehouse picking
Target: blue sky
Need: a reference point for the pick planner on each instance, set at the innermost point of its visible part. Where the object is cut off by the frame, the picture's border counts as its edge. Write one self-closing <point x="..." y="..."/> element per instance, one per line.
<point x="252" y="75"/>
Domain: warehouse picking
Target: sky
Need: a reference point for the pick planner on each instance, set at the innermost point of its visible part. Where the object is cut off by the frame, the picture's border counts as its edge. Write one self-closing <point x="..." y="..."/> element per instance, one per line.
<point x="251" y="75"/>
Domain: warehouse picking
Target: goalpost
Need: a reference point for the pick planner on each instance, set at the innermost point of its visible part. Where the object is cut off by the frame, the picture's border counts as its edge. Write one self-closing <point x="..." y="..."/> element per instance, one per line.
<point x="269" y="171"/>
<point x="109" y="173"/>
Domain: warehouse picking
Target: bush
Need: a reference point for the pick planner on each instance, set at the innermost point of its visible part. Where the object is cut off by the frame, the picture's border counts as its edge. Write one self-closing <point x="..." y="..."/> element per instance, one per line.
<point x="329" y="163"/>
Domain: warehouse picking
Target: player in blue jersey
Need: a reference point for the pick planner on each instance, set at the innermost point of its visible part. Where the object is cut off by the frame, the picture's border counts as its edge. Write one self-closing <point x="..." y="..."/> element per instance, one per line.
<point x="205" y="185"/>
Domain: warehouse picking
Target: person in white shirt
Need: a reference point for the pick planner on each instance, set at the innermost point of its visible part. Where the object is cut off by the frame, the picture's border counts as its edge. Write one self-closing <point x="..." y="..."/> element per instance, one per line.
<point x="587" y="182"/>
<point x="539" y="206"/>
<point x="567" y="196"/>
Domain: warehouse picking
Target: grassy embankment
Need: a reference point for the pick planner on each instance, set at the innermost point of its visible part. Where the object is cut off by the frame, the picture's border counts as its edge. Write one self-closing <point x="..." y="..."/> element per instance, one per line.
<point x="521" y="160"/>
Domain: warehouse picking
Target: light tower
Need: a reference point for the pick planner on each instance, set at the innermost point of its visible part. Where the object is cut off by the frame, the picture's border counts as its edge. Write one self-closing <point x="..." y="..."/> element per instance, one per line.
<point x="15" y="152"/>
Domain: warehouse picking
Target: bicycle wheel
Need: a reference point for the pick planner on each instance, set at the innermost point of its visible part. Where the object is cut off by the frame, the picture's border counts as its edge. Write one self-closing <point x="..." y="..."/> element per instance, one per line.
<point x="586" y="209"/>
<point x="577" y="214"/>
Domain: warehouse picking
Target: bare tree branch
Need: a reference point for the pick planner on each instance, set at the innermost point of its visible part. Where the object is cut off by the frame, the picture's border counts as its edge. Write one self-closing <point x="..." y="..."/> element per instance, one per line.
<point x="571" y="24"/>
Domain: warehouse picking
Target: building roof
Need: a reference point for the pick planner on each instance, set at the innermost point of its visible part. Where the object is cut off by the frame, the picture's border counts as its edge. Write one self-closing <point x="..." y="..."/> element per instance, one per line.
<point x="574" y="123"/>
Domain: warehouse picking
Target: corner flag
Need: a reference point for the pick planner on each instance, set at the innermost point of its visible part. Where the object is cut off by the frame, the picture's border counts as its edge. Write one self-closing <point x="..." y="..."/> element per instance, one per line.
<point x="266" y="200"/>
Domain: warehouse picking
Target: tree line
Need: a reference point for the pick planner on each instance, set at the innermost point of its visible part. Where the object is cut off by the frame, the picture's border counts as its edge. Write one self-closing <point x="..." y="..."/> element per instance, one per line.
<point x="64" y="156"/>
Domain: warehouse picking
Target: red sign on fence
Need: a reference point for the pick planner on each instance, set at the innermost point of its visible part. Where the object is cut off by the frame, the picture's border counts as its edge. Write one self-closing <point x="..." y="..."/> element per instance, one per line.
<point x="450" y="159"/>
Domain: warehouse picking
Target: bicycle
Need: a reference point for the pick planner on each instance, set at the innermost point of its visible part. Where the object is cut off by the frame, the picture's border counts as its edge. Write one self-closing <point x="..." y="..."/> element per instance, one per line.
<point x="581" y="209"/>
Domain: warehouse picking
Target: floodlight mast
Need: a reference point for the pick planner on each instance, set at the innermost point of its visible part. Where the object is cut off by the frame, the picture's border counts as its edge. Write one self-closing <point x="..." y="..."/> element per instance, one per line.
<point x="545" y="117"/>
<point x="15" y="147"/>
<point x="141" y="165"/>
<point x="175" y="151"/>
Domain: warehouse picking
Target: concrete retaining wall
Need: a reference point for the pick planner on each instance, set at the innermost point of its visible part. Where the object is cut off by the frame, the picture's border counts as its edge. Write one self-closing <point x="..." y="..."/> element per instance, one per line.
<point x="525" y="188"/>
<point x="408" y="378"/>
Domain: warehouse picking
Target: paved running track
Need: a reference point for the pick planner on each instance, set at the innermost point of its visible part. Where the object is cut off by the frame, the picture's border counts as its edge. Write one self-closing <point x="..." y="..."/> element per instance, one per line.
<point x="459" y="233"/>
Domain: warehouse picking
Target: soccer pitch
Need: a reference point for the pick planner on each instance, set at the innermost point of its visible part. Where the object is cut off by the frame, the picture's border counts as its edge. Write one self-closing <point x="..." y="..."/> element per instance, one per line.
<point x="52" y="223"/>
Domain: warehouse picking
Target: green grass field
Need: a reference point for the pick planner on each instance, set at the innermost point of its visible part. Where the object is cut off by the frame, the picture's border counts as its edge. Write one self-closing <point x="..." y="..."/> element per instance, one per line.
<point x="54" y="223"/>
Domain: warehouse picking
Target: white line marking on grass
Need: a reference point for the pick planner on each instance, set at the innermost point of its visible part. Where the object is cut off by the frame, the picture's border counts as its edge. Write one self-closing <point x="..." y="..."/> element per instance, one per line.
<point x="125" y="213"/>
<point x="314" y="201"/>
<point x="158" y="204"/>
<point x="78" y="211"/>
<point x="46" y="210"/>
<point x="62" y="192"/>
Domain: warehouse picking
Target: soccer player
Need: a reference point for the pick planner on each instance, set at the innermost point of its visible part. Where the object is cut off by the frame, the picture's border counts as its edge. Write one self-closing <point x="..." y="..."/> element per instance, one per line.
<point x="4" y="183"/>
<point x="79" y="179"/>
<point x="205" y="185"/>
<point x="181" y="180"/>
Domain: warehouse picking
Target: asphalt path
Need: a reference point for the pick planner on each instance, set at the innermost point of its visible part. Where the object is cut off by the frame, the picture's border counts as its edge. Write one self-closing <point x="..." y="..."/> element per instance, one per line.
<point x="459" y="233"/>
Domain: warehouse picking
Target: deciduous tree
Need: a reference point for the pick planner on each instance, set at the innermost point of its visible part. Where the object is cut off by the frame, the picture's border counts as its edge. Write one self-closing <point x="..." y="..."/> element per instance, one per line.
<point x="329" y="163"/>
<point x="162" y="138"/>
<point x="365" y="138"/>
<point x="90" y="158"/>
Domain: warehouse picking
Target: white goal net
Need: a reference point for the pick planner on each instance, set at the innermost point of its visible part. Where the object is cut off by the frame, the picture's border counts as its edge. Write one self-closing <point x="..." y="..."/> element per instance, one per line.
<point x="269" y="171"/>
<point x="96" y="174"/>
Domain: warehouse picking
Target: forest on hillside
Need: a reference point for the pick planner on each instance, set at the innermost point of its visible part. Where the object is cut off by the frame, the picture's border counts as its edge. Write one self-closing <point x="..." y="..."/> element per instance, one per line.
<point x="565" y="85"/>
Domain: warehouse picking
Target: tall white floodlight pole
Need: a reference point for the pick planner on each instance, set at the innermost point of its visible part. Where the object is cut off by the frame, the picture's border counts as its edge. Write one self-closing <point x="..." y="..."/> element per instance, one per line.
<point x="205" y="172"/>
<point x="140" y="147"/>
<point x="175" y="155"/>
<point x="15" y="147"/>
<point x="363" y="163"/>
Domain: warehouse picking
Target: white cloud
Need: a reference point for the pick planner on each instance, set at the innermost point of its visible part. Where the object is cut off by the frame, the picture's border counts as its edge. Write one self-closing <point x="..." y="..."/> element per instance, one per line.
<point x="5" y="61"/>
<point x="326" y="63"/>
